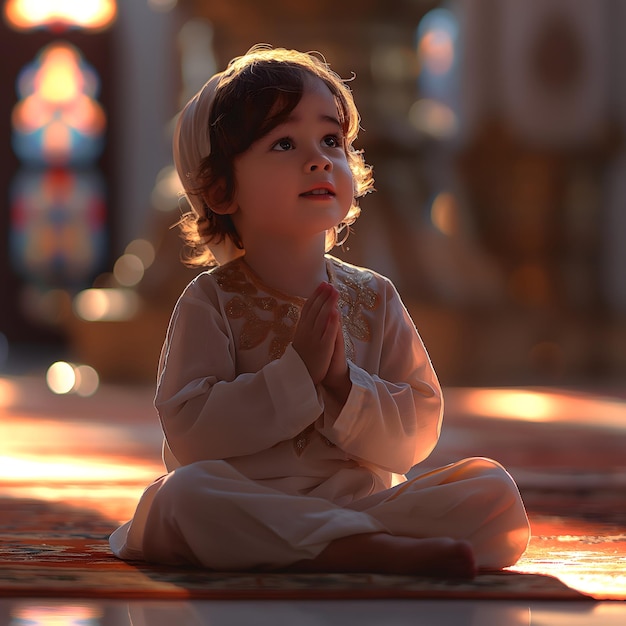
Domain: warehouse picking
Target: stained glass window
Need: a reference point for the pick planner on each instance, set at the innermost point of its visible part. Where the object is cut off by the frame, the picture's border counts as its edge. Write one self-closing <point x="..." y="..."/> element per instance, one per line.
<point x="57" y="119"/>
<point x="58" y="220"/>
<point x="58" y="235"/>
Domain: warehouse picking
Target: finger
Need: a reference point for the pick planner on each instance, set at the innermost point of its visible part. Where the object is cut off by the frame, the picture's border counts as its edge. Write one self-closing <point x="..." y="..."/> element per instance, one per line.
<point x="338" y="365"/>
<point x="318" y="313"/>
<point x="314" y="303"/>
<point x="331" y="327"/>
<point x="340" y="346"/>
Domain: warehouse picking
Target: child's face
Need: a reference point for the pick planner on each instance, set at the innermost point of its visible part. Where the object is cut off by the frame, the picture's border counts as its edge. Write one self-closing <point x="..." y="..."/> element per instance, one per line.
<point x="295" y="182"/>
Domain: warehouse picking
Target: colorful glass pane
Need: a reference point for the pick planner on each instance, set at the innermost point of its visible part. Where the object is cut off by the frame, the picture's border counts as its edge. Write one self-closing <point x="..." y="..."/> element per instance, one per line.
<point x="58" y="226"/>
<point x="57" y="120"/>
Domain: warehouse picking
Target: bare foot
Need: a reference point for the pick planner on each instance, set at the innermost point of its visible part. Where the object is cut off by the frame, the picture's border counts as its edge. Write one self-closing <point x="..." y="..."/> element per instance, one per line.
<point x="387" y="554"/>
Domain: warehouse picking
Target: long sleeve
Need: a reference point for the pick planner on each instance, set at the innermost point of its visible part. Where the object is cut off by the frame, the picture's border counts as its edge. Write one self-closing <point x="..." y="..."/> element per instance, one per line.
<point x="392" y="417"/>
<point x="208" y="409"/>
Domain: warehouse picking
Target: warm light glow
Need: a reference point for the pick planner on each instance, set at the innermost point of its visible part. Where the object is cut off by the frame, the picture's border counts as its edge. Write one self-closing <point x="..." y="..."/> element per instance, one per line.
<point x="444" y="213"/>
<point x="167" y="190"/>
<point x="93" y="453"/>
<point x="57" y="614"/>
<point x="61" y="469"/>
<point x="59" y="83"/>
<point x="106" y="305"/>
<point x="128" y="270"/>
<point x="163" y="6"/>
<point x="143" y="249"/>
<point x="9" y="393"/>
<point x="564" y="553"/>
<point x="511" y="404"/>
<point x="539" y="406"/>
<point x="96" y="468"/>
<point x="87" y="380"/>
<point x="526" y="405"/>
<point x="60" y="377"/>
<point x="59" y="14"/>
<point x="63" y="378"/>
<point x="433" y="118"/>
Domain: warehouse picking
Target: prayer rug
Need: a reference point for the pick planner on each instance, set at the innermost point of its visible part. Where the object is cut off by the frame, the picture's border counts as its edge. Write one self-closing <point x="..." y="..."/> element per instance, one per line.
<point x="51" y="549"/>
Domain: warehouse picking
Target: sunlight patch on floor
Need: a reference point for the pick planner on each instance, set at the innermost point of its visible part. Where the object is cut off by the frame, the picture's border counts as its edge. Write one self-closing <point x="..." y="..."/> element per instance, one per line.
<point x="111" y="487"/>
<point x="540" y="406"/>
<point x="575" y="552"/>
<point x="68" y="469"/>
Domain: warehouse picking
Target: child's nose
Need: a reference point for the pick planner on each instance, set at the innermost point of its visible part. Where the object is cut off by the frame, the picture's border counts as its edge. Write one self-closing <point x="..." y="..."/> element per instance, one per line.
<point x="318" y="162"/>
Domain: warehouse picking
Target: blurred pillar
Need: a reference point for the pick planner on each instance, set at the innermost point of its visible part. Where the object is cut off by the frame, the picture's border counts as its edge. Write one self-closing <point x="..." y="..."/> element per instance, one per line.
<point x="145" y="101"/>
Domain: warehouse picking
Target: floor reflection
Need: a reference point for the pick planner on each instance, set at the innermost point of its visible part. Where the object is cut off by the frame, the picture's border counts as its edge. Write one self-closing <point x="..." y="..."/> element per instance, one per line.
<point x="307" y="613"/>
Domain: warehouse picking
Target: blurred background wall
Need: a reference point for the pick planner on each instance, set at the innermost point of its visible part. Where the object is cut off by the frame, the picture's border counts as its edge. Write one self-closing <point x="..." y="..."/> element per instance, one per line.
<point x="495" y="129"/>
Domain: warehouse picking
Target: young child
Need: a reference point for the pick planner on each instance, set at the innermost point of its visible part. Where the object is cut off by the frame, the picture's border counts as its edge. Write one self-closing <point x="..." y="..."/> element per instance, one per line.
<point x="293" y="389"/>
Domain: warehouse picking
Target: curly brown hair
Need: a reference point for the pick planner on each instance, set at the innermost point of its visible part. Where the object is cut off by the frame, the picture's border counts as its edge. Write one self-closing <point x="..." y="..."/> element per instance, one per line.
<point x="256" y="93"/>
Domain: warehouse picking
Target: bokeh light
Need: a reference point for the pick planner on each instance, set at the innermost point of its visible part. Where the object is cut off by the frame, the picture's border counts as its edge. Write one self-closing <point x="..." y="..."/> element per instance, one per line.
<point x="106" y="305"/>
<point x="143" y="249"/>
<point x="128" y="270"/>
<point x="60" y="377"/>
<point x="87" y="380"/>
<point x="63" y="378"/>
<point x="162" y="6"/>
<point x="433" y="118"/>
<point x="167" y="190"/>
<point x="444" y="214"/>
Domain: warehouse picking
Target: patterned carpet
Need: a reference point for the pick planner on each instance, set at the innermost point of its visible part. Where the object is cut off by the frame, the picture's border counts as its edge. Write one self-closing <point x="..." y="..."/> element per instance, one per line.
<point x="50" y="549"/>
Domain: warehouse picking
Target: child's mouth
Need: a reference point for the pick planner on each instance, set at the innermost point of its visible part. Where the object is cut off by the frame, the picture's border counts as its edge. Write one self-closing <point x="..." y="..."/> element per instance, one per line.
<point x="318" y="192"/>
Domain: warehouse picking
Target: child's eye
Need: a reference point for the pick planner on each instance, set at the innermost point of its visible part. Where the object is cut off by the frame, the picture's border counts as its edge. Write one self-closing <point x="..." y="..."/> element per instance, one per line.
<point x="283" y="145"/>
<point x="333" y="141"/>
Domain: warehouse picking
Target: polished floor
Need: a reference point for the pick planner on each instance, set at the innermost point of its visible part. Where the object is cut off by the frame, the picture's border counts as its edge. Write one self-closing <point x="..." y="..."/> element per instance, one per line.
<point x="310" y="613"/>
<point x="101" y="449"/>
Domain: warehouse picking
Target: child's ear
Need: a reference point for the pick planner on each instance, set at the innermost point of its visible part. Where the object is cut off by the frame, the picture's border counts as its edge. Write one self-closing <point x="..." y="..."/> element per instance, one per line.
<point x="215" y="197"/>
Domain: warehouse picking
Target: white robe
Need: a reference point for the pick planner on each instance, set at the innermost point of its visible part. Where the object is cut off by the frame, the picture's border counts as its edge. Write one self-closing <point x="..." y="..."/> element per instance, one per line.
<point x="264" y="470"/>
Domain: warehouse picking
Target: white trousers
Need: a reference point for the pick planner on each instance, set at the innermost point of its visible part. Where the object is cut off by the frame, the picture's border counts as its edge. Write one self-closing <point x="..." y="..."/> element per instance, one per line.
<point x="211" y="515"/>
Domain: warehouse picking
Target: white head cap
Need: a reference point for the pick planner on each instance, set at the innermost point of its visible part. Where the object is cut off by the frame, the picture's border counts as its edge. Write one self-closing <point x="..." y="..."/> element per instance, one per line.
<point x="191" y="144"/>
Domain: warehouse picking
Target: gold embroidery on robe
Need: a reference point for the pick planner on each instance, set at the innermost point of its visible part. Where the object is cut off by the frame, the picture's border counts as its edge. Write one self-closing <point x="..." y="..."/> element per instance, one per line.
<point x="354" y="296"/>
<point x="232" y="278"/>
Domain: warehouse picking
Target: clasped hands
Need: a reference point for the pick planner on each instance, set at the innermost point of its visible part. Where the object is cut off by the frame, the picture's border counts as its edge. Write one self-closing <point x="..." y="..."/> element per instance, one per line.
<point x="318" y="340"/>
